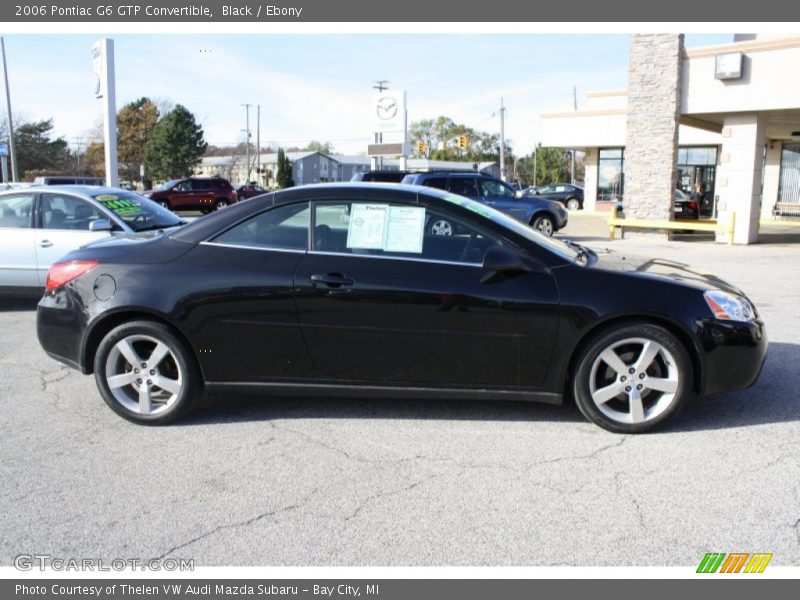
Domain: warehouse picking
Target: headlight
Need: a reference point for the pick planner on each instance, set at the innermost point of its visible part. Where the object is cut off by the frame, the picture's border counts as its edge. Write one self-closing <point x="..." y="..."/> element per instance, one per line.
<point x="728" y="307"/>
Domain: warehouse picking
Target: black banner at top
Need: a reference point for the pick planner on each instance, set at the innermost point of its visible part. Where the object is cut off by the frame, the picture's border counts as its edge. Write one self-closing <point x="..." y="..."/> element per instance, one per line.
<point x="316" y="11"/>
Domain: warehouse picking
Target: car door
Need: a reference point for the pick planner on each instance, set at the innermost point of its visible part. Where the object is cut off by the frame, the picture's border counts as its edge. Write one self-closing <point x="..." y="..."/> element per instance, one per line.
<point x="498" y="195"/>
<point x="181" y="196"/>
<point x="202" y="193"/>
<point x="417" y="312"/>
<point x="63" y="225"/>
<point x="17" y="241"/>
<point x="244" y="320"/>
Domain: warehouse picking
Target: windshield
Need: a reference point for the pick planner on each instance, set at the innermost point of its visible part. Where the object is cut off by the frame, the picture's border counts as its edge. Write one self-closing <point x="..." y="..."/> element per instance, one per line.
<point x="168" y="184"/>
<point x="139" y="213"/>
<point x="552" y="244"/>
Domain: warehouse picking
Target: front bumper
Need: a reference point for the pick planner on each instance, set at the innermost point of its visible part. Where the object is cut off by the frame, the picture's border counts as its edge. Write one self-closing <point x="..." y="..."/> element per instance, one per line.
<point x="734" y="353"/>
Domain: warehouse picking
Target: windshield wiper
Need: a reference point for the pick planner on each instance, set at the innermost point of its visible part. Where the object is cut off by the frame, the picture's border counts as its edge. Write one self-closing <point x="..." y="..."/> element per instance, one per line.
<point x="583" y="252"/>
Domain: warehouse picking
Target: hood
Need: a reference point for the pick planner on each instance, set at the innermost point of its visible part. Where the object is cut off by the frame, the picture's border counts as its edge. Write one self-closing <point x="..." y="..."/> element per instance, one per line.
<point x="660" y="268"/>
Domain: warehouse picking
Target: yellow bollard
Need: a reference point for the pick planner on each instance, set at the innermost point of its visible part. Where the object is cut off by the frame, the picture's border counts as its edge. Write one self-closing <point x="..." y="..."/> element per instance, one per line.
<point x="731" y="227"/>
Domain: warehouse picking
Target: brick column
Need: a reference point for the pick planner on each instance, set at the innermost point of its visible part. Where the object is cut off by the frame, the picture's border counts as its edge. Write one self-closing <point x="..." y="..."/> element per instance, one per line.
<point x="651" y="146"/>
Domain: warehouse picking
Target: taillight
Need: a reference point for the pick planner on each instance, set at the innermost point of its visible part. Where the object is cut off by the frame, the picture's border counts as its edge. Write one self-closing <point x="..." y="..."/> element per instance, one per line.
<point x="61" y="273"/>
<point x="693" y="205"/>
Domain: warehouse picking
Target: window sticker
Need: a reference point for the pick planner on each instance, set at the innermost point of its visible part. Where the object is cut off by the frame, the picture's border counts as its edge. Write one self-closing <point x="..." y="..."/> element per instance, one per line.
<point x="367" y="229"/>
<point x="387" y="228"/>
<point x="406" y="229"/>
<point x="470" y="205"/>
<point x="121" y="206"/>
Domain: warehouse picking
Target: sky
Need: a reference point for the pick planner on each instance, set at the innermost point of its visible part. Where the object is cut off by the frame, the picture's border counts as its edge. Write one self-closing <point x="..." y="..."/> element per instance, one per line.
<point x="315" y="86"/>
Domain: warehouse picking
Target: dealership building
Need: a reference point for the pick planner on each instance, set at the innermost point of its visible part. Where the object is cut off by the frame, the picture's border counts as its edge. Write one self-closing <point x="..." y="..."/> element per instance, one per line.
<point x="721" y="121"/>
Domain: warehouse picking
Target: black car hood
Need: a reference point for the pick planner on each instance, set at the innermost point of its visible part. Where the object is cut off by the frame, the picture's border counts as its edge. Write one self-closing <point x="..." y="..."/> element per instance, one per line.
<point x="660" y="268"/>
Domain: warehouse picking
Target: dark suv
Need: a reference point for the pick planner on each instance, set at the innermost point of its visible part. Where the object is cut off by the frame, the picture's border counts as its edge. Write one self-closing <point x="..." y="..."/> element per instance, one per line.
<point x="569" y="195"/>
<point x="194" y="193"/>
<point x="545" y="215"/>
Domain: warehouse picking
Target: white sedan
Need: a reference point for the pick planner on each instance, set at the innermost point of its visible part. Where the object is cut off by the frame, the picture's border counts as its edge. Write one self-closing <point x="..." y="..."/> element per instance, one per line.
<point x="38" y="225"/>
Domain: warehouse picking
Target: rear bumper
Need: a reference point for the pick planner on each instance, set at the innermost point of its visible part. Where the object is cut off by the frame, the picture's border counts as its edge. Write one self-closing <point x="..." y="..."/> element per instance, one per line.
<point x="734" y="353"/>
<point x="60" y="323"/>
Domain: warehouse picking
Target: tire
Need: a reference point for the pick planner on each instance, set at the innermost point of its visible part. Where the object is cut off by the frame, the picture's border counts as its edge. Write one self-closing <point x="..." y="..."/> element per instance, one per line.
<point x="241" y="198"/>
<point x="441" y="227"/>
<point x="544" y="224"/>
<point x="164" y="204"/>
<point x="595" y="380"/>
<point x="573" y="204"/>
<point x="123" y="356"/>
<point x="221" y="203"/>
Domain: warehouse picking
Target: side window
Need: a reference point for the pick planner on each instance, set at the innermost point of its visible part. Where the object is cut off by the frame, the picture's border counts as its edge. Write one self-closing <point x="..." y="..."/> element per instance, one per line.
<point x="281" y="228"/>
<point x="495" y="189"/>
<point x="397" y="230"/>
<point x="15" y="211"/>
<point x="67" y="212"/>
<point x="561" y="188"/>
<point x="199" y="185"/>
<point x="440" y="183"/>
<point x="184" y="186"/>
<point x="464" y="186"/>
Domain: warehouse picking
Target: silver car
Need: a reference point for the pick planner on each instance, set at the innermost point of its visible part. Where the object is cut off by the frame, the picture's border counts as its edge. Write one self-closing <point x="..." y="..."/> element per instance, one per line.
<point x="40" y="224"/>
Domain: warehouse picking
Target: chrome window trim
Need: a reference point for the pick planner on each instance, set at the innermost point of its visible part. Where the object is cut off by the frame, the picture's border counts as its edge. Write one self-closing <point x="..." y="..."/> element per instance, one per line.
<point x="243" y="247"/>
<point x="408" y="258"/>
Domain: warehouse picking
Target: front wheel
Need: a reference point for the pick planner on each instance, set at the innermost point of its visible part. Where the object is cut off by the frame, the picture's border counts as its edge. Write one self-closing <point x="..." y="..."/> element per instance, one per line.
<point x="165" y="204"/>
<point x="632" y="378"/>
<point x="441" y="227"/>
<point x="544" y="224"/>
<point x="146" y="374"/>
<point x="221" y="203"/>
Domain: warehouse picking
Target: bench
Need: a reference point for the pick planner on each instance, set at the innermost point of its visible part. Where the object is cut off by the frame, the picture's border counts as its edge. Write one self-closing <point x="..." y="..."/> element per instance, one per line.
<point x="786" y="209"/>
<point x="679" y="225"/>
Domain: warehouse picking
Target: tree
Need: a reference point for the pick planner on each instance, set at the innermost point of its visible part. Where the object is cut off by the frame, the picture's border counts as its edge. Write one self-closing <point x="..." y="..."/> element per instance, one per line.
<point x="323" y="147"/>
<point x="175" y="146"/>
<point x="284" y="175"/>
<point x="135" y="124"/>
<point x="441" y="137"/>
<point x="36" y="152"/>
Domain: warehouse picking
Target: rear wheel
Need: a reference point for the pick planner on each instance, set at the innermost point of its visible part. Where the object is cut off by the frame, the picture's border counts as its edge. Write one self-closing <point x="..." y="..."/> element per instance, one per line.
<point x="165" y="204"/>
<point x="544" y="224"/>
<point x="441" y="227"/>
<point x="632" y="378"/>
<point x="146" y="374"/>
<point x="573" y="204"/>
<point x="221" y="203"/>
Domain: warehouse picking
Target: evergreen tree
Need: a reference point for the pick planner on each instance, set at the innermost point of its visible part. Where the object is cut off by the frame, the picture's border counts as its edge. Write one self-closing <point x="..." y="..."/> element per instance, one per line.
<point x="284" y="175"/>
<point x="36" y="152"/>
<point x="176" y="145"/>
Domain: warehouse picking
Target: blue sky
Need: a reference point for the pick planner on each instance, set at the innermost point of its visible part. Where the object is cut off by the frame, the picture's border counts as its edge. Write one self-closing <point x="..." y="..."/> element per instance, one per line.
<point x="319" y="86"/>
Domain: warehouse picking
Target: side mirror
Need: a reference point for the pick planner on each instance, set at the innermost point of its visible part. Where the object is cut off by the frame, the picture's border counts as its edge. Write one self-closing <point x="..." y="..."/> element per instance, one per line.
<point x="500" y="259"/>
<point x="100" y="225"/>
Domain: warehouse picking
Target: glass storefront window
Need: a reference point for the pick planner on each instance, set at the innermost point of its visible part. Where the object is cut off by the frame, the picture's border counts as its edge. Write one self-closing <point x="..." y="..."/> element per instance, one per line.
<point x="610" y="174"/>
<point x="789" y="190"/>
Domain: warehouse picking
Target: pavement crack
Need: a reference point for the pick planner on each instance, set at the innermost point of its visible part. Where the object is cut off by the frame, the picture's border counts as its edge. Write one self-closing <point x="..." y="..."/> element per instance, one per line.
<point x="244" y="523"/>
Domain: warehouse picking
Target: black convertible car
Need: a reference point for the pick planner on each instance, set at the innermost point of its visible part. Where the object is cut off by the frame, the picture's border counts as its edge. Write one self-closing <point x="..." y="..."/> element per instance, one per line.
<point x="344" y="290"/>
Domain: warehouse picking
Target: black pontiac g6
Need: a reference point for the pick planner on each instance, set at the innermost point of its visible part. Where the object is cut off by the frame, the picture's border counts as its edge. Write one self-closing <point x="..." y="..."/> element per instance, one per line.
<point x="346" y="290"/>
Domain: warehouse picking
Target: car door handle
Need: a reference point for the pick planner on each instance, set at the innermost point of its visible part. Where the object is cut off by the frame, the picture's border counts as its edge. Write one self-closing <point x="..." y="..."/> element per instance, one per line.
<point x="332" y="280"/>
<point x="45" y="243"/>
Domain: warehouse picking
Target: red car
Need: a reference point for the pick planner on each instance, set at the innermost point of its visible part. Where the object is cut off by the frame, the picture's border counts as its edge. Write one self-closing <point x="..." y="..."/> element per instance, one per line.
<point x="194" y="193"/>
<point x="249" y="190"/>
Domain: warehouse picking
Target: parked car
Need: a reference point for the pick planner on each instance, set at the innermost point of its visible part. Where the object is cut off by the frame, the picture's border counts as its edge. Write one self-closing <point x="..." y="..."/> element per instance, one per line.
<point x="380" y="176"/>
<point x="194" y="193"/>
<point x="38" y="225"/>
<point x="342" y="290"/>
<point x="571" y="196"/>
<point x="68" y="180"/>
<point x="540" y="213"/>
<point x="685" y="207"/>
<point x="249" y="190"/>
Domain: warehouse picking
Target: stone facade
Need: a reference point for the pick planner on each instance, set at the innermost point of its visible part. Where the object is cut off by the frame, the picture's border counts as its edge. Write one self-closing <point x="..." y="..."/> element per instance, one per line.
<point x="651" y="147"/>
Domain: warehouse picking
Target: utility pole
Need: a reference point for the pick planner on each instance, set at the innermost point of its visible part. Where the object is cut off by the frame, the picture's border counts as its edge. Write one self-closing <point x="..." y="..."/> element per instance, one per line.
<point x="572" y="152"/>
<point x="247" y="141"/>
<point x="502" y="141"/>
<point x="381" y="85"/>
<point x="258" y="143"/>
<point x="11" y="150"/>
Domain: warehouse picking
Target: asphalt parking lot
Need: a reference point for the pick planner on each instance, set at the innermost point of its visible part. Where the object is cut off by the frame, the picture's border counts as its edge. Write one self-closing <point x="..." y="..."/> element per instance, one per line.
<point x="249" y="481"/>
